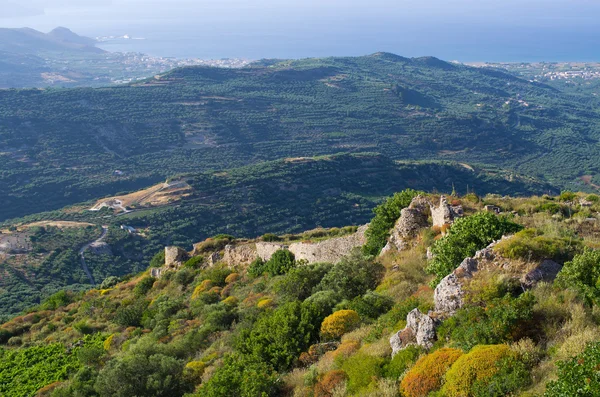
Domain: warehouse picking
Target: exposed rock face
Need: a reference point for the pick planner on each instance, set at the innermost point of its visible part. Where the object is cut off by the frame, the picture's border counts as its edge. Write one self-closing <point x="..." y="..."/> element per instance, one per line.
<point x="444" y="214"/>
<point x="265" y="250"/>
<point x="242" y="254"/>
<point x="545" y="271"/>
<point x="449" y="293"/>
<point x="414" y="218"/>
<point x="213" y="259"/>
<point x="100" y="248"/>
<point x="331" y="250"/>
<point x="174" y="257"/>
<point x="419" y="330"/>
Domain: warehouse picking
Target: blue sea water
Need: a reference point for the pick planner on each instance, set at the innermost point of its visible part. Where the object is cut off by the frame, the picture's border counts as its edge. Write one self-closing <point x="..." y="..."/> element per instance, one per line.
<point x="463" y="30"/>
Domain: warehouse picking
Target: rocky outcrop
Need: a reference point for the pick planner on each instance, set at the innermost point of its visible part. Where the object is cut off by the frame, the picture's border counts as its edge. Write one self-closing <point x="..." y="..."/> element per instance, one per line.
<point x="239" y="254"/>
<point x="419" y="330"/>
<point x="265" y="250"/>
<point x="545" y="271"/>
<point x="449" y="293"/>
<point x="174" y="257"/>
<point x="444" y="214"/>
<point x="414" y="218"/>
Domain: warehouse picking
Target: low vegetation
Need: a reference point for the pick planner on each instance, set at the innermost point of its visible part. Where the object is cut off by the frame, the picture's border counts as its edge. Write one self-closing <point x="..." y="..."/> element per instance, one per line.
<point x="284" y="327"/>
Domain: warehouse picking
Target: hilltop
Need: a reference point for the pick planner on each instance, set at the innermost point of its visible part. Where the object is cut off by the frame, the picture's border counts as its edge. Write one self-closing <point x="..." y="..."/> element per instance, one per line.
<point x="30" y="41"/>
<point x="450" y="295"/>
<point x="69" y="143"/>
<point x="283" y="196"/>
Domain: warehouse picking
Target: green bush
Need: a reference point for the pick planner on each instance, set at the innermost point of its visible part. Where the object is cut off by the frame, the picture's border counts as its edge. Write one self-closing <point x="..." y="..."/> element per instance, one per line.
<point x="401" y="361"/>
<point x="143" y="286"/>
<point x="370" y="305"/>
<point x="130" y="315"/>
<point x="270" y="237"/>
<point x="385" y="217"/>
<point x="109" y="282"/>
<point x="257" y="268"/>
<point x="158" y="260"/>
<point x="567" y="195"/>
<point x="466" y="236"/>
<point x="479" y="372"/>
<point x="324" y="301"/>
<point x="501" y="320"/>
<point x="583" y="275"/>
<point x="279" y="336"/>
<point x="353" y="276"/>
<point x="362" y="371"/>
<point x="184" y="276"/>
<point x="579" y="376"/>
<point x="281" y="262"/>
<point x="194" y="262"/>
<point x="242" y="376"/>
<point x="59" y="299"/>
<point x="299" y="282"/>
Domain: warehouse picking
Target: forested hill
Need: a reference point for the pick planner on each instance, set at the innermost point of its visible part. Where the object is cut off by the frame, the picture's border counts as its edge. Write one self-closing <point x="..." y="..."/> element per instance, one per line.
<point x="39" y="254"/>
<point x="65" y="146"/>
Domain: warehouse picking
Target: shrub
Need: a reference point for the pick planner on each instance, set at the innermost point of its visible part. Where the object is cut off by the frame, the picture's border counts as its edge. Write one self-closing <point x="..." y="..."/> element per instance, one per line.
<point x="217" y="275"/>
<point x="465" y="237"/>
<point x="83" y="327"/>
<point x="242" y="376"/>
<point x="137" y="374"/>
<point x="184" y="276"/>
<point x="502" y="320"/>
<point x="281" y="262"/>
<point x="363" y="370"/>
<point x="109" y="282"/>
<point x="232" y="278"/>
<point x="329" y="382"/>
<point x="511" y="376"/>
<point x="130" y="315"/>
<point x="158" y="260"/>
<point x="371" y="305"/>
<point x="194" y="262"/>
<point x="257" y="267"/>
<point x="59" y="299"/>
<point x="340" y="322"/>
<point x="270" y="237"/>
<point x="299" y="282"/>
<point x="401" y="361"/>
<point x="529" y="245"/>
<point x="427" y="374"/>
<point x="386" y="215"/>
<point x="194" y="370"/>
<point x="593" y="198"/>
<point x="583" y="275"/>
<point x="143" y="286"/>
<point x="476" y="367"/>
<point x="578" y="376"/>
<point x="567" y="195"/>
<point x="353" y="276"/>
<point x="324" y="301"/>
<point x="279" y="336"/>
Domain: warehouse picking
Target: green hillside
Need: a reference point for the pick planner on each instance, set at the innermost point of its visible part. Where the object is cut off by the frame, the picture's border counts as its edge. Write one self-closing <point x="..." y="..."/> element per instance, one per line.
<point x="288" y="328"/>
<point x="61" y="147"/>
<point x="284" y="196"/>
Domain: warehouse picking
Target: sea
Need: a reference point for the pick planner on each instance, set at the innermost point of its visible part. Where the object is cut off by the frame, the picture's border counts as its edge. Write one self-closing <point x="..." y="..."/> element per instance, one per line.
<point x="534" y="33"/>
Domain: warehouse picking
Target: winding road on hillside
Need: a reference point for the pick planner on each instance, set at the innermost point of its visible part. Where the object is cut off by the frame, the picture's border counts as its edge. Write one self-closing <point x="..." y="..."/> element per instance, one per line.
<point x="82" y="256"/>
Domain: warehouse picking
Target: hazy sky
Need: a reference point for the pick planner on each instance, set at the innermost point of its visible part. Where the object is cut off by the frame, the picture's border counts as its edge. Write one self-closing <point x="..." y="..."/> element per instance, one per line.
<point x="402" y="26"/>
